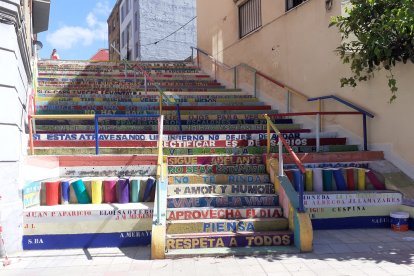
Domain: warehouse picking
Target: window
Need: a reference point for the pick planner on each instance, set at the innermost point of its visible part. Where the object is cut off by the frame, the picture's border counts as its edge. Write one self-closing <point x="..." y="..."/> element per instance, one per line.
<point x="123" y="39"/>
<point x="136" y="51"/>
<point x="122" y="13"/>
<point x="136" y="21"/>
<point x="250" y="17"/>
<point x="290" y="4"/>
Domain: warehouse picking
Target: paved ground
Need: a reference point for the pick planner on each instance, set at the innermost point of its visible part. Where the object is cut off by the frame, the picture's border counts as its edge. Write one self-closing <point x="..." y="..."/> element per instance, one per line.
<point x="345" y="252"/>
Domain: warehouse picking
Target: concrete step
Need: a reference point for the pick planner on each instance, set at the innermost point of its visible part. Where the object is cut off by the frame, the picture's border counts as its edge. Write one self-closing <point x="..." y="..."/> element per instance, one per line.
<point x="222" y="240"/>
<point x="226" y="225"/>
<point x="196" y="201"/>
<point x="218" y="179"/>
<point x="212" y="189"/>
<point x="223" y="213"/>
<point x="231" y="251"/>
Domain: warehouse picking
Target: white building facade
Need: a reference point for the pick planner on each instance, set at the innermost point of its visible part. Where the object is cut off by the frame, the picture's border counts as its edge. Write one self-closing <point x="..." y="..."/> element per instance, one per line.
<point x="154" y="30"/>
<point x="20" y="21"/>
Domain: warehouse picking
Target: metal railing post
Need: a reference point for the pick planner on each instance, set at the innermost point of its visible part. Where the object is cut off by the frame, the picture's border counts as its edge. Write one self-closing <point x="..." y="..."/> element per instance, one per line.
<point x="192" y="55"/>
<point x="198" y="59"/>
<point x="318" y="132"/>
<point x="96" y="135"/>
<point x="179" y="118"/>
<point x="301" y="192"/>
<point x="268" y="136"/>
<point x="235" y="77"/>
<point x="280" y="144"/>
<point x="31" y="136"/>
<point x="364" y="125"/>
<point x="215" y="70"/>
<point x="255" y="84"/>
<point x="287" y="101"/>
<point x="145" y="84"/>
<point x="160" y="162"/>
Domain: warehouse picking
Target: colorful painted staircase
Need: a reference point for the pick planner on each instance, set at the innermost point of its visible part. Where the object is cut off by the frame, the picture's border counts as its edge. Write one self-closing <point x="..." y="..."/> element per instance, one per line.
<point x="220" y="198"/>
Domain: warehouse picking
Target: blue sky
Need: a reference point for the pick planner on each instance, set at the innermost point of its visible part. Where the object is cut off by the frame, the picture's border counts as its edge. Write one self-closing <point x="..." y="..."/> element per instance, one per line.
<point x="77" y="28"/>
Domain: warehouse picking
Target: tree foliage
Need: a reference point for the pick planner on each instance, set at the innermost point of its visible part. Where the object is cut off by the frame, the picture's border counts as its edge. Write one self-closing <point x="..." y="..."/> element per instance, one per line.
<point x="377" y="34"/>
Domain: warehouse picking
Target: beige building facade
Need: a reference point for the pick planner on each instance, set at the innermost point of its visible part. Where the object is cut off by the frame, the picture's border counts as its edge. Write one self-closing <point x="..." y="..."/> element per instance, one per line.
<point x="291" y="42"/>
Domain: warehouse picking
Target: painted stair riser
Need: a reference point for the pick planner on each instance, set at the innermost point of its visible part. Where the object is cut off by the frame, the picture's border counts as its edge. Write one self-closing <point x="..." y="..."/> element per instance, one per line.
<point x="178" y="137"/>
<point x="214" y="169"/>
<point x="188" y="144"/>
<point x="87" y="227"/>
<point x="206" y="189"/>
<point x="130" y="129"/>
<point x="234" y="226"/>
<point x="219" y="179"/>
<point x="128" y="105"/>
<point x="199" y="112"/>
<point x="167" y="122"/>
<point x="251" y="240"/>
<point x="96" y="191"/>
<point x="216" y="160"/>
<point x="223" y="213"/>
<point x="113" y="75"/>
<point x="225" y="201"/>
<point x="92" y="240"/>
<point x="153" y="107"/>
<point x="132" y="92"/>
<point x="195" y="151"/>
<point x="144" y="98"/>
<point x="126" y="86"/>
<point x="98" y="80"/>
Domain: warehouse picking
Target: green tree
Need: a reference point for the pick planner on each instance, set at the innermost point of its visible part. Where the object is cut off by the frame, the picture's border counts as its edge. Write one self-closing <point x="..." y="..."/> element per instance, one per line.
<point x="376" y="34"/>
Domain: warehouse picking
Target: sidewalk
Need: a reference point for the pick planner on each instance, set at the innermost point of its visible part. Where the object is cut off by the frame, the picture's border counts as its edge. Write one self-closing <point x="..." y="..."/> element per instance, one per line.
<point x="336" y="252"/>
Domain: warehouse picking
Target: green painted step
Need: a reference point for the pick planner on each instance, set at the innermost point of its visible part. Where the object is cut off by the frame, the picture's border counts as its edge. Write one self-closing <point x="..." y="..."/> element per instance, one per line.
<point x="226" y="225"/>
<point x="231" y="251"/>
<point x="212" y="189"/>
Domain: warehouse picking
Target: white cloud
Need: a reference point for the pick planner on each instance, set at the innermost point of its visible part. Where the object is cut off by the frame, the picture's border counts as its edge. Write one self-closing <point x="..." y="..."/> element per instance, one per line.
<point x="91" y="20"/>
<point x="68" y="37"/>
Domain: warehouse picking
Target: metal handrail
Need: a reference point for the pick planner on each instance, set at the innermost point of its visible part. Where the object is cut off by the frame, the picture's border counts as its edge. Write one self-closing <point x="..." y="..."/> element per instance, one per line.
<point x="163" y="96"/>
<point x="282" y="142"/>
<point x="94" y="117"/>
<point x="342" y="101"/>
<point x="363" y="112"/>
<point x="256" y="73"/>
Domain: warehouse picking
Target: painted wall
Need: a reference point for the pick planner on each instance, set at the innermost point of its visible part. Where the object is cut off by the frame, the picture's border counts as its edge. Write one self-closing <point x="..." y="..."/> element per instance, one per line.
<point x="154" y="20"/>
<point x="15" y="78"/>
<point x="159" y="19"/>
<point x="297" y="48"/>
